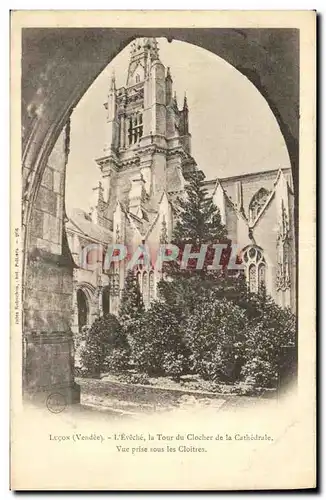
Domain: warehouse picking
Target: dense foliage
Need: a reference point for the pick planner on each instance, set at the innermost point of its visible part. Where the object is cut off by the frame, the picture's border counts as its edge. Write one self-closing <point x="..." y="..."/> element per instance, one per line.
<point x="158" y="346"/>
<point x="104" y="338"/>
<point x="132" y="305"/>
<point x="271" y="330"/>
<point x="206" y="322"/>
<point x="215" y="334"/>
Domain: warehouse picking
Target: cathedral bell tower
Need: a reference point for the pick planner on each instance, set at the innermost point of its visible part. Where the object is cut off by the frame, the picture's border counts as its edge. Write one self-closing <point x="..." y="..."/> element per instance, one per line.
<point x="147" y="135"/>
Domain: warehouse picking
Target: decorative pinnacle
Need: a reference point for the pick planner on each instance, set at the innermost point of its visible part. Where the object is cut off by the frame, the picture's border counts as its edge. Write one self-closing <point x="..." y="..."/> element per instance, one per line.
<point x="112" y="84"/>
<point x="141" y="45"/>
<point x="168" y="73"/>
<point x="99" y="190"/>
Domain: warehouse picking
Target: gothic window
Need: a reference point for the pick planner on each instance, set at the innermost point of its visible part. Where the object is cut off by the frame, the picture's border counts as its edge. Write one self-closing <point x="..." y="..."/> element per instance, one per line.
<point x="106" y="300"/>
<point x="253" y="278"/>
<point x="137" y="78"/>
<point x="139" y="280"/>
<point x="261" y="276"/>
<point x="115" y="284"/>
<point x="257" y="203"/>
<point x="151" y="286"/>
<point x="255" y="266"/>
<point x="145" y="288"/>
<point x="82" y="309"/>
<point x="135" y="128"/>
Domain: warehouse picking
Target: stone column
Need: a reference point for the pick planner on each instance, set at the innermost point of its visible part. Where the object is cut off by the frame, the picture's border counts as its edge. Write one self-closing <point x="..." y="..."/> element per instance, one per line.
<point x="48" y="363"/>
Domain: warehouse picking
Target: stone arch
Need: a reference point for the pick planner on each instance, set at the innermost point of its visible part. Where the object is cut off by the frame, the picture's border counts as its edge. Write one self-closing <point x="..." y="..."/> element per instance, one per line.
<point x="43" y="121"/>
<point x="48" y="102"/>
<point x="88" y="291"/>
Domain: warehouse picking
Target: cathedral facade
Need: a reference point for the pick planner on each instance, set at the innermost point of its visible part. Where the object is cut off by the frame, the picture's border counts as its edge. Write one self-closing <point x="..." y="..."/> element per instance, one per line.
<point x="143" y="171"/>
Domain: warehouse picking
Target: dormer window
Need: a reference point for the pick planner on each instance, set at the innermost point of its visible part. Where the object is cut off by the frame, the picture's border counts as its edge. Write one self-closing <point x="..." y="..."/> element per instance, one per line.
<point x="135" y="128"/>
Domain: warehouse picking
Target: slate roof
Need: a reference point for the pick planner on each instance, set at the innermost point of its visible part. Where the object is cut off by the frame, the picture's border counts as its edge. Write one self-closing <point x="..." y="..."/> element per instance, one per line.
<point x="80" y="221"/>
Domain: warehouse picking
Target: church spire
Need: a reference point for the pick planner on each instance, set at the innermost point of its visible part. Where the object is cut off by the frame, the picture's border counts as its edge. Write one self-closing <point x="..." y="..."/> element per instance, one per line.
<point x="168" y="86"/>
<point x="185" y="102"/>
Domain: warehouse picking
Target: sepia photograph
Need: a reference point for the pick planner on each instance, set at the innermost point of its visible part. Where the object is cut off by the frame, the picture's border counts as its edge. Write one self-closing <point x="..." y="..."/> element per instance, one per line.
<point x="156" y="244"/>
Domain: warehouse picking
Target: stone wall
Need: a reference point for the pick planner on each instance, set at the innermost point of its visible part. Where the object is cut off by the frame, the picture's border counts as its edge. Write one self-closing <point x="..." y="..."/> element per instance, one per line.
<point x="47" y="301"/>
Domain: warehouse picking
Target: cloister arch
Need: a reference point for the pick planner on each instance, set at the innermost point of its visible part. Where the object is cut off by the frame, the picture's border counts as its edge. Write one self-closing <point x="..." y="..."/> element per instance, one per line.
<point x="83" y="309"/>
<point x="59" y="65"/>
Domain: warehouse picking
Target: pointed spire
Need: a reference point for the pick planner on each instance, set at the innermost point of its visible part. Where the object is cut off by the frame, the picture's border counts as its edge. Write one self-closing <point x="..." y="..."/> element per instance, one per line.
<point x="96" y="204"/>
<point x="185" y="102"/>
<point x="100" y="191"/>
<point x="112" y="83"/>
<point x="98" y="194"/>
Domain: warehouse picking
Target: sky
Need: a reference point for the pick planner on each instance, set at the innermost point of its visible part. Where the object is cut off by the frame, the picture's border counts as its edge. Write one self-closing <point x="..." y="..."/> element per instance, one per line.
<point x="233" y="129"/>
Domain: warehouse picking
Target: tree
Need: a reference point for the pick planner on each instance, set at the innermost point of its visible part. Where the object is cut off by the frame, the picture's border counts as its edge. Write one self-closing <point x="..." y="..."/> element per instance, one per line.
<point x="104" y="336"/>
<point x="158" y="346"/>
<point x="199" y="222"/>
<point x="270" y="329"/>
<point x="215" y="335"/>
<point x="132" y="305"/>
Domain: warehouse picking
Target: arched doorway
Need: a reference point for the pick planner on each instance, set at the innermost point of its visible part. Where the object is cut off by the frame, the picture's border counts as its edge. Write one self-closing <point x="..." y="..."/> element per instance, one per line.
<point x="83" y="309"/>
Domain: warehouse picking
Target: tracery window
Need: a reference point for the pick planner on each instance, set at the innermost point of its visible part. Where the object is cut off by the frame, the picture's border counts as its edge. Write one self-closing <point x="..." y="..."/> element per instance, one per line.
<point x="257" y="203"/>
<point x="115" y="284"/>
<point x="151" y="286"/>
<point x="135" y="128"/>
<point x="145" y="288"/>
<point x="146" y="282"/>
<point x="255" y="266"/>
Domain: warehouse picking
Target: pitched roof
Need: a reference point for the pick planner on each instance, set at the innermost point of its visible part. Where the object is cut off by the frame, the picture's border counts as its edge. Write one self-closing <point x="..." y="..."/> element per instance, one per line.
<point x="80" y="221"/>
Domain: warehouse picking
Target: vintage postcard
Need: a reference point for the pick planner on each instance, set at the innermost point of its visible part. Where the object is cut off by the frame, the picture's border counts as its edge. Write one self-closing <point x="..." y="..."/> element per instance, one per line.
<point x="163" y="250"/>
